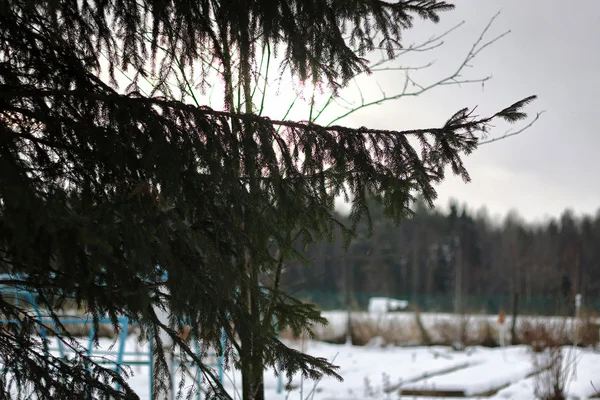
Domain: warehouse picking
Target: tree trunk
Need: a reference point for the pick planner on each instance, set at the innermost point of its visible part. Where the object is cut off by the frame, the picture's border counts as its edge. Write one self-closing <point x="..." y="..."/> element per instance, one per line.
<point x="251" y="355"/>
<point x="515" y="312"/>
<point x="431" y="263"/>
<point x="253" y="375"/>
<point x="348" y="286"/>
<point x="415" y="267"/>
<point x="458" y="279"/>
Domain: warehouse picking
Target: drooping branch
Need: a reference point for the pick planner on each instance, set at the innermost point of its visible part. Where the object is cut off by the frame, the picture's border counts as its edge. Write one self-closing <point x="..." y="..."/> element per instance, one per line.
<point x="367" y="159"/>
<point x="458" y="125"/>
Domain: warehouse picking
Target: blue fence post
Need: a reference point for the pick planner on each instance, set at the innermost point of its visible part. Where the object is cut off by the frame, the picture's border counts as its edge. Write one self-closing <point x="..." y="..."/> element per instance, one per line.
<point x="222" y="355"/>
<point x="122" y="340"/>
<point x="39" y="315"/>
<point x="91" y="340"/>
<point x="151" y="350"/>
<point x="118" y="358"/>
<point x="198" y="374"/>
<point x="279" y="379"/>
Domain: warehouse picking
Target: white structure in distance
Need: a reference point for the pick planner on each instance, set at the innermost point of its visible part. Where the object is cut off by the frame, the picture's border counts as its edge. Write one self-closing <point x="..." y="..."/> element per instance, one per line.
<point x="386" y="304"/>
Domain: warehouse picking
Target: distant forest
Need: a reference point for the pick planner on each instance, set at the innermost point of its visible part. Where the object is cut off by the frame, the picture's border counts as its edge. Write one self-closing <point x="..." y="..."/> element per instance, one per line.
<point x="457" y="261"/>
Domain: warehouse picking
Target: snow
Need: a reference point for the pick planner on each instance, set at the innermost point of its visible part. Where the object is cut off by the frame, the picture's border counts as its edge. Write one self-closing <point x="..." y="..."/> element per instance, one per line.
<point x="581" y="368"/>
<point x="496" y="369"/>
<point x="580" y="385"/>
<point x="375" y="372"/>
<point x="371" y="370"/>
<point x="380" y="373"/>
<point x="500" y="373"/>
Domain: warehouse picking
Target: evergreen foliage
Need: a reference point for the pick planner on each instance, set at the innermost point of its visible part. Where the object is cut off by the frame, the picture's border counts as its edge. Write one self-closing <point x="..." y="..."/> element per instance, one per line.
<point x="102" y="192"/>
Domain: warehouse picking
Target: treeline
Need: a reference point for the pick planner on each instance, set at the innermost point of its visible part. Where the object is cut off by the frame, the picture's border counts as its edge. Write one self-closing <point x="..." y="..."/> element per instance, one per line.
<point x="444" y="260"/>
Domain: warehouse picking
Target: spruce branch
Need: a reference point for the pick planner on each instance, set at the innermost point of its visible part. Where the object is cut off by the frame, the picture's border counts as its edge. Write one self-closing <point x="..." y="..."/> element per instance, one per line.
<point x="460" y="121"/>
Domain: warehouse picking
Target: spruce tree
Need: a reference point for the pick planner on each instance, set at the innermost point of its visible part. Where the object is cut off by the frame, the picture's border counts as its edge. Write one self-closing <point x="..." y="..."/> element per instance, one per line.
<point x="104" y="191"/>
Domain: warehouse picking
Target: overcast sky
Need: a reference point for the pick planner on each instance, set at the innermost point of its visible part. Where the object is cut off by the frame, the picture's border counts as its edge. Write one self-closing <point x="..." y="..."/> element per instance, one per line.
<point x="552" y="52"/>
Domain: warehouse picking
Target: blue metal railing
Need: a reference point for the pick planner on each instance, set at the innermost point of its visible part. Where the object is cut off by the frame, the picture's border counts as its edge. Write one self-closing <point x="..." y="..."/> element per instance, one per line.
<point x="121" y="353"/>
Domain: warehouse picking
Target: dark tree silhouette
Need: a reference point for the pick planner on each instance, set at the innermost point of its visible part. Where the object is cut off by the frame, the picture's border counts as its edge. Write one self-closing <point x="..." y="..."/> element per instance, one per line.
<point x="103" y="191"/>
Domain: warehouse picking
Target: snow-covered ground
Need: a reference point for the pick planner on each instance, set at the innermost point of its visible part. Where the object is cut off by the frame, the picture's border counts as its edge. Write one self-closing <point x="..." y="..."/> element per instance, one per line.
<point x="501" y="373"/>
<point x="374" y="372"/>
<point x="419" y="372"/>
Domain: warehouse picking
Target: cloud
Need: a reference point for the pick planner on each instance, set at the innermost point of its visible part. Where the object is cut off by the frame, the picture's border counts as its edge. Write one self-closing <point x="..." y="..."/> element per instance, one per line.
<point x="550" y="53"/>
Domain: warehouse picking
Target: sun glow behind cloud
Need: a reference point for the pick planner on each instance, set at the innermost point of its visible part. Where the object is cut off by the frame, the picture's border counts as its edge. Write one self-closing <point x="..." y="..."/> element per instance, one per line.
<point x="280" y="97"/>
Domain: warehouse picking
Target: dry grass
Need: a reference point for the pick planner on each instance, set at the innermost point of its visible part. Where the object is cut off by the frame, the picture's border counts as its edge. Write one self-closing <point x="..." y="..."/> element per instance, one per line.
<point x="325" y="333"/>
<point x="467" y="330"/>
<point x="541" y="335"/>
<point x="446" y="332"/>
<point x="365" y="328"/>
<point x="589" y="329"/>
<point x="550" y="382"/>
<point x="547" y="340"/>
<point x="425" y="336"/>
<point x="391" y="331"/>
<point x="463" y="331"/>
<point x="488" y="335"/>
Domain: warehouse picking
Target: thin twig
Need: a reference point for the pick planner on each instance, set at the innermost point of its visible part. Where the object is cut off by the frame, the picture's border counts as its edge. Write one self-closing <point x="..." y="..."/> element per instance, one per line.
<point x="509" y="133"/>
<point x="476" y="48"/>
